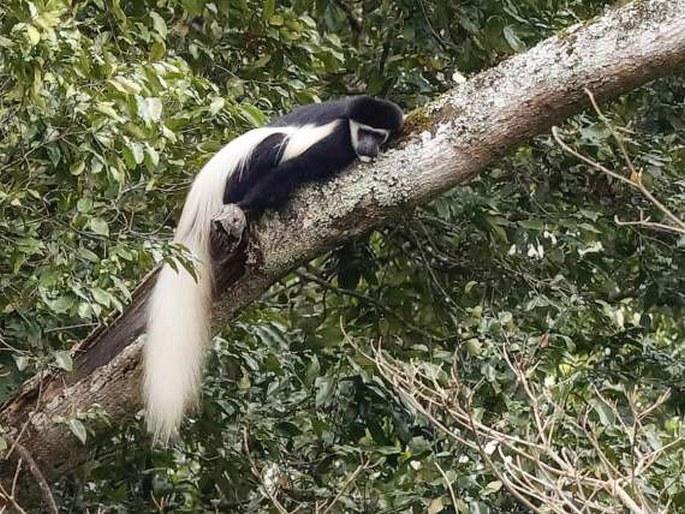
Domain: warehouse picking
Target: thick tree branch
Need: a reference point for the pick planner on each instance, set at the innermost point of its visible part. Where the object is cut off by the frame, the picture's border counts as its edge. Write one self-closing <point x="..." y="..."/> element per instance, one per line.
<point x="448" y="141"/>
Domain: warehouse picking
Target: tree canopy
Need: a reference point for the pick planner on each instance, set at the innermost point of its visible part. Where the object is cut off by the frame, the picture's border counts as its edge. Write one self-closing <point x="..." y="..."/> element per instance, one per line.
<point x="463" y="358"/>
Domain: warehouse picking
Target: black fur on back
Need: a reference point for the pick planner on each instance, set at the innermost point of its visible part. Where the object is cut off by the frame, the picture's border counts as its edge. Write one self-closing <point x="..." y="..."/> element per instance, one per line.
<point x="314" y="114"/>
<point x="264" y="158"/>
<point x="374" y="112"/>
<point x="265" y="182"/>
<point x="321" y="161"/>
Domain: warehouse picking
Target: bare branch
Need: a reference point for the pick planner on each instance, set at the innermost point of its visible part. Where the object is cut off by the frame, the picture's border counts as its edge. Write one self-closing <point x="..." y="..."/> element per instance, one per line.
<point x="267" y="489"/>
<point x="35" y="471"/>
<point x="455" y="505"/>
<point x="353" y="476"/>
<point x="635" y="180"/>
<point x="536" y="470"/>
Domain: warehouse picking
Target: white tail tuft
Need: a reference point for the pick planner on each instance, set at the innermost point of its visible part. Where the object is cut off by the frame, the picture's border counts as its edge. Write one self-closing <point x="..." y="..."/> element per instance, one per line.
<point x="179" y="315"/>
<point x="178" y="329"/>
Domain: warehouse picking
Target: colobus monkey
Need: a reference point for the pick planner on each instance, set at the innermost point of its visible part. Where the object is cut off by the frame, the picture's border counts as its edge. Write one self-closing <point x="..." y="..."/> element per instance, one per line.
<point x="256" y="171"/>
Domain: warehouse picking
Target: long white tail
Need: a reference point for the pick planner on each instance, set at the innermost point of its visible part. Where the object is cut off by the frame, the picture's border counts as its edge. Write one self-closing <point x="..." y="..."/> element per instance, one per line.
<point x="178" y="327"/>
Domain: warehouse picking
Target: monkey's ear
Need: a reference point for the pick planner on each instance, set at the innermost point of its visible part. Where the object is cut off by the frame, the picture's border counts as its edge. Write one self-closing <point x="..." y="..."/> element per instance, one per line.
<point x="376" y="113"/>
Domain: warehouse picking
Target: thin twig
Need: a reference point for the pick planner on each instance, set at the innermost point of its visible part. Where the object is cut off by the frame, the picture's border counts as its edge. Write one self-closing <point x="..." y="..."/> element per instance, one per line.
<point x="10" y="498"/>
<point x="306" y="275"/>
<point x="635" y="180"/>
<point x="48" y="498"/>
<point x="255" y="471"/>
<point x="449" y="486"/>
<point x="345" y="485"/>
<point x="533" y="469"/>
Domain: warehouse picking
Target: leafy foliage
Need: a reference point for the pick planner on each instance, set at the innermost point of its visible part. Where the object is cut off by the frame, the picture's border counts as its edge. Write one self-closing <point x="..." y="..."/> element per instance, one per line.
<point x="109" y="107"/>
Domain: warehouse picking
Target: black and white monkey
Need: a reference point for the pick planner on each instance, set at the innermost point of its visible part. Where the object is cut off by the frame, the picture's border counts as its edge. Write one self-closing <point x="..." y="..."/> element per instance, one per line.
<point x="256" y="171"/>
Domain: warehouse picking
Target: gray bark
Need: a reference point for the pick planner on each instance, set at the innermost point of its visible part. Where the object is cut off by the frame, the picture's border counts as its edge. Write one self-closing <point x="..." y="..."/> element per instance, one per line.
<point x="446" y="142"/>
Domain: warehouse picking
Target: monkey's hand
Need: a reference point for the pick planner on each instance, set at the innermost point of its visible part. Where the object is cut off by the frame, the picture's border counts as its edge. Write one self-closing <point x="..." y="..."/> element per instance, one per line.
<point x="227" y="230"/>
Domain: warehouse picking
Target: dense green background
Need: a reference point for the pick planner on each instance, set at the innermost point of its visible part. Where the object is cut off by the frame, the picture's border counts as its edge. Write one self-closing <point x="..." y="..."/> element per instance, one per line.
<point x="109" y="107"/>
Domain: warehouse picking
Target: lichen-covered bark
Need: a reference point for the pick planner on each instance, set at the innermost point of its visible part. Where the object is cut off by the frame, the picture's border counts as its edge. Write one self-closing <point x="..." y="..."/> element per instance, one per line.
<point x="448" y="141"/>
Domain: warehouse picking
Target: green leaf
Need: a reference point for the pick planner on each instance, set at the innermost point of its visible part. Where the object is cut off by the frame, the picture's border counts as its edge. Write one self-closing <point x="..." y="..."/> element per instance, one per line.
<point x="532" y="224"/>
<point x="262" y="61"/>
<point x="78" y="429"/>
<point x="85" y="310"/>
<point x="64" y="361"/>
<point x="325" y="388"/>
<point x="593" y="215"/>
<point x="513" y="40"/>
<point x="84" y="205"/>
<point x="496" y="229"/>
<point x="313" y="370"/>
<point x="77" y="168"/>
<point x="159" y="24"/>
<point x="21" y="361"/>
<point x="604" y="411"/>
<point x="276" y="20"/>
<point x="157" y="50"/>
<point x="118" y="13"/>
<point x="287" y="429"/>
<point x="252" y="114"/>
<point x="88" y="255"/>
<point x="101" y="296"/>
<point x="478" y="508"/>
<point x="473" y="346"/>
<point x="46" y="20"/>
<point x="133" y="154"/>
<point x="151" y="157"/>
<point x="32" y="35"/>
<point x="99" y="226"/>
<point x="149" y="109"/>
<point x="216" y="105"/>
<point x="269" y="7"/>
<point x="436" y="505"/>
<point x="107" y="109"/>
<point x="96" y="165"/>
<point x="61" y="304"/>
<point x="490" y="488"/>
<point x="125" y="85"/>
